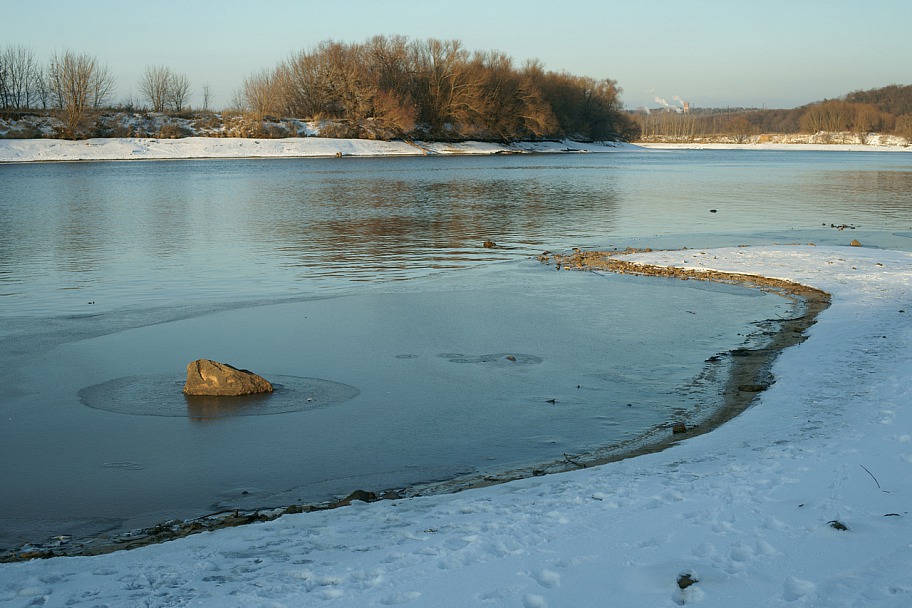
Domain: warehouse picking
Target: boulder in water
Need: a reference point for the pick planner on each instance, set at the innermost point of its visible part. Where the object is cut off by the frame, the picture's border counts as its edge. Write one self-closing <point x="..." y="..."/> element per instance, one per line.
<point x="214" y="379"/>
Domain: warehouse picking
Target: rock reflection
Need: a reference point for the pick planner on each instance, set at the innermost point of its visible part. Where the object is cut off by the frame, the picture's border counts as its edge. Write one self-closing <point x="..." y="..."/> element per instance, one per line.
<point x="206" y="408"/>
<point x="160" y="395"/>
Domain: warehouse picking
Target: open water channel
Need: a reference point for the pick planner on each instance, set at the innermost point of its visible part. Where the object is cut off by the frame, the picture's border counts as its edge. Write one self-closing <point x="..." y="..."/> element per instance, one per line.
<point x="405" y="352"/>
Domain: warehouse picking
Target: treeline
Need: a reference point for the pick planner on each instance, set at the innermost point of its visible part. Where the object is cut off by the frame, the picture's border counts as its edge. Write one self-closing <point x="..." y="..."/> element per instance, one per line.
<point x="384" y="88"/>
<point x="73" y="84"/>
<point x="885" y="110"/>
<point x="395" y="87"/>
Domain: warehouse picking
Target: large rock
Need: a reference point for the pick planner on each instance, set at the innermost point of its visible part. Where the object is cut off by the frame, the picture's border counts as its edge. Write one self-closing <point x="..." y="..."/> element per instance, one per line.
<point x="211" y="378"/>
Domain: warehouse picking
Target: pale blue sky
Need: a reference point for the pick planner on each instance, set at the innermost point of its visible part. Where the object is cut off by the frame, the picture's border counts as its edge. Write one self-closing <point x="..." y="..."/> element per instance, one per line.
<point x="777" y="53"/>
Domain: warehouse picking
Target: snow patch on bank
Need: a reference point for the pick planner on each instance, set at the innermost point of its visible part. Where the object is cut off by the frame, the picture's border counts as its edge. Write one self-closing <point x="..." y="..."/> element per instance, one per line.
<point x="748" y="511"/>
<point x="779" y="146"/>
<point x="33" y="150"/>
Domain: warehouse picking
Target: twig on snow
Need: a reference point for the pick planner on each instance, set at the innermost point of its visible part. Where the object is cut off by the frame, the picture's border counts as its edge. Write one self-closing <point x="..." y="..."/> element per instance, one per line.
<point x="874" y="478"/>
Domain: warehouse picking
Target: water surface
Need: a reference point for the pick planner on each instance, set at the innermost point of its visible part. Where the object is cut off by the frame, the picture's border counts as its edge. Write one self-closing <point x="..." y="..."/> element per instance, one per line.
<point x="371" y="274"/>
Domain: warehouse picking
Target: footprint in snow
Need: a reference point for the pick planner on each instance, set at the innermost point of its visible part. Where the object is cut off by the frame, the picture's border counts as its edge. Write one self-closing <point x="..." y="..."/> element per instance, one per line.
<point x="547" y="578"/>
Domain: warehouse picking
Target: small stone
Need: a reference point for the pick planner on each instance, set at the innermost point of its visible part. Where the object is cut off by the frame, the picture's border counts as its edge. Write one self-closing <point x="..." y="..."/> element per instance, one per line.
<point x="752" y="388"/>
<point x="361" y="495"/>
<point x="855" y="243"/>
<point x="679" y="428"/>
<point x="686" y="580"/>
<point x="489" y="244"/>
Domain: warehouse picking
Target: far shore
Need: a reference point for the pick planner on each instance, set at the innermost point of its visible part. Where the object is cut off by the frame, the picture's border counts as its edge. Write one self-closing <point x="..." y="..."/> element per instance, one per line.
<point x="188" y="148"/>
<point x="112" y="149"/>
<point x="775" y="146"/>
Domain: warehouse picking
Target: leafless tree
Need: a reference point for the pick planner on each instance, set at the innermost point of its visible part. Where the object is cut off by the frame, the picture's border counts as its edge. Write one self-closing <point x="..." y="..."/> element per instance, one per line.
<point x="740" y="129"/>
<point x="207" y="97"/>
<point x="256" y="95"/>
<point x="447" y="90"/>
<point x="178" y="91"/>
<point x="77" y="83"/>
<point x="831" y="116"/>
<point x="102" y="85"/>
<point x="42" y="90"/>
<point x="20" y="73"/>
<point x="154" y="86"/>
<point x="904" y="127"/>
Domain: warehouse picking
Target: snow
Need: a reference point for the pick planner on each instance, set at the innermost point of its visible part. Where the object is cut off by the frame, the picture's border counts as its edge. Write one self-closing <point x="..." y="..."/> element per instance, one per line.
<point x="747" y="510"/>
<point x="30" y="150"/>
<point x="780" y="146"/>
<point x="127" y="148"/>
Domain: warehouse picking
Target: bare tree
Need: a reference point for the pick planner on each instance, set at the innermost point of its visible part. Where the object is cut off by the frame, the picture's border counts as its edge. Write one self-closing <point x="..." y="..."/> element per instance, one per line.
<point x="257" y="94"/>
<point x="448" y="91"/>
<point x="164" y="88"/>
<point x="831" y="115"/>
<point x="4" y="95"/>
<point x="904" y="127"/>
<point x="77" y="83"/>
<point x="43" y="90"/>
<point x="154" y="86"/>
<point x="20" y="73"/>
<point x="102" y="85"/>
<point x="740" y="129"/>
<point x="178" y="91"/>
<point x="207" y="97"/>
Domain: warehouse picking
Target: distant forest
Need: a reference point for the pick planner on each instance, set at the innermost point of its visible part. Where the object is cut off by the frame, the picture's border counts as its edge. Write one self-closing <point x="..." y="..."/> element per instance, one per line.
<point x="395" y="87"/>
<point x="885" y="110"/>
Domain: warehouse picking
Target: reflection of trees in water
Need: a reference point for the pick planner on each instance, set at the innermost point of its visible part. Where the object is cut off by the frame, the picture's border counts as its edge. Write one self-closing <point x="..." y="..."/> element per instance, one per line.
<point x="866" y="191"/>
<point x="151" y="222"/>
<point x="892" y="187"/>
<point x="383" y="222"/>
<point x="103" y="215"/>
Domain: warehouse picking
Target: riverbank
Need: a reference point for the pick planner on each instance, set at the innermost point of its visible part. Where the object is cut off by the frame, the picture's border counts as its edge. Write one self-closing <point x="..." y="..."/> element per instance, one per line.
<point x="188" y="148"/>
<point x="776" y="146"/>
<point x="746" y="369"/>
<point x="802" y="498"/>
<point x="60" y="150"/>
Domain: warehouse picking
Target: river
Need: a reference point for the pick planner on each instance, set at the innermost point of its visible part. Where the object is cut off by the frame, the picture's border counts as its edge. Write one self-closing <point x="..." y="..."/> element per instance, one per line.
<point x="405" y="351"/>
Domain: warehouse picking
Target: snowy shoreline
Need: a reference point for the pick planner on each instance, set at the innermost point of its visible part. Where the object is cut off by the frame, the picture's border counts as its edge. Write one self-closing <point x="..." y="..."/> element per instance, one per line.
<point x="60" y="150"/>
<point x="113" y="149"/>
<point x="746" y="370"/>
<point x="776" y="146"/>
<point x="750" y="510"/>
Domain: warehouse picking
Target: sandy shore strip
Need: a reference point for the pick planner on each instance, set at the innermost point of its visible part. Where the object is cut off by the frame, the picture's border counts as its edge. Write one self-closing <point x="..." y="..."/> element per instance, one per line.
<point x="747" y="369"/>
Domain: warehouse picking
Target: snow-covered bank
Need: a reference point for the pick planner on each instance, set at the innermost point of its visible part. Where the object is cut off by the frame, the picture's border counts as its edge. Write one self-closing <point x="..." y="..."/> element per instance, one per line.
<point x="46" y="150"/>
<point x="747" y="510"/>
<point x="776" y="146"/>
<point x="32" y="150"/>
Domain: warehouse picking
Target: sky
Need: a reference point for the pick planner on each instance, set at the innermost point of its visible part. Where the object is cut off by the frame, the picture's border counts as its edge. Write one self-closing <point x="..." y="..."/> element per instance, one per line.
<point x="711" y="53"/>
